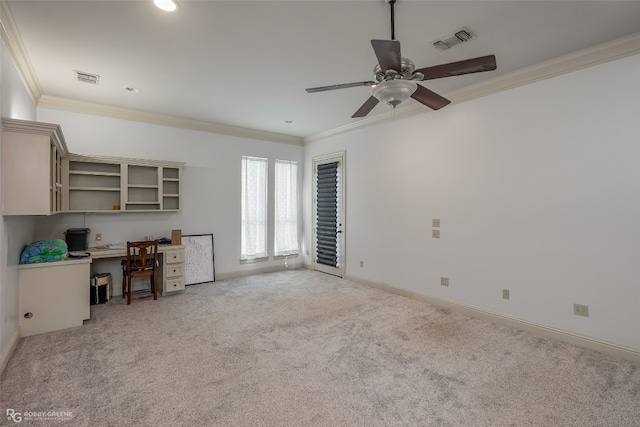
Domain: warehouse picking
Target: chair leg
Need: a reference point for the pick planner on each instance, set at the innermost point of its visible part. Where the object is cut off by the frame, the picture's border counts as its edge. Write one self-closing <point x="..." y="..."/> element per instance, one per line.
<point x="128" y="290"/>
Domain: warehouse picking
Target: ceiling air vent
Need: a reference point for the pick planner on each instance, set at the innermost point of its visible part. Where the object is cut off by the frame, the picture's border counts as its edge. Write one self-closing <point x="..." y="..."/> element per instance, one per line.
<point x="81" y="76"/>
<point x="462" y="35"/>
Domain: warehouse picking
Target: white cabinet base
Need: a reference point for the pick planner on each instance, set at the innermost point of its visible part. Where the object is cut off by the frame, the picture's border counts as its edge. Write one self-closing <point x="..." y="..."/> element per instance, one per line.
<point x="53" y="295"/>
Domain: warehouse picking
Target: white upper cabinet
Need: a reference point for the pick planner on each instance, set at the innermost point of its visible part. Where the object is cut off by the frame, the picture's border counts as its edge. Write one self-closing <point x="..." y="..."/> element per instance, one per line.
<point x="32" y="156"/>
<point x="40" y="176"/>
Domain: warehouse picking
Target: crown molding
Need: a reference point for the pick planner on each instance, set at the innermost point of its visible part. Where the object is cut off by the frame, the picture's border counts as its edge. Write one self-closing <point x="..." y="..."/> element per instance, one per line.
<point x="605" y="52"/>
<point x="11" y="37"/>
<point x="129" y="160"/>
<point x="57" y="103"/>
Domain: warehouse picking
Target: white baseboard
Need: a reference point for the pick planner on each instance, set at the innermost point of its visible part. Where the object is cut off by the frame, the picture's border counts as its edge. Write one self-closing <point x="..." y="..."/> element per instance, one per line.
<point x="243" y="273"/>
<point x="8" y="350"/>
<point x="629" y="353"/>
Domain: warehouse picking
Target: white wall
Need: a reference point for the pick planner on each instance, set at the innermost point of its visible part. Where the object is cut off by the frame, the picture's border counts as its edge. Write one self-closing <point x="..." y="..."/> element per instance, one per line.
<point x="536" y="189"/>
<point x="537" y="192"/>
<point x="15" y="232"/>
<point x="211" y="182"/>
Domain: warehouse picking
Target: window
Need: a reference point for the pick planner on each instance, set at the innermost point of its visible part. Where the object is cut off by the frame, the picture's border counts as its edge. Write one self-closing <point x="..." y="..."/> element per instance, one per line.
<point x="254" y="208"/>
<point x="286" y="208"/>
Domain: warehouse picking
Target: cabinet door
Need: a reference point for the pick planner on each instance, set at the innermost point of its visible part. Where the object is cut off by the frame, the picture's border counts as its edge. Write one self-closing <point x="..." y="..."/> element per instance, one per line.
<point x="26" y="174"/>
<point x="56" y="180"/>
<point x="53" y="297"/>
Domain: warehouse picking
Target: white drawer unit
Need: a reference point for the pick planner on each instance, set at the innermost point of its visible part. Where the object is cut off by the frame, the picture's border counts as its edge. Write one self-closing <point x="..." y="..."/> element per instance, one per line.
<point x="173" y="271"/>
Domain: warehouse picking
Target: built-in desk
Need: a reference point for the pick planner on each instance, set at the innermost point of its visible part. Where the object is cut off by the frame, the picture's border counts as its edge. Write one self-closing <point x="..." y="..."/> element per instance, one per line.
<point x="170" y="273"/>
<point x="55" y="295"/>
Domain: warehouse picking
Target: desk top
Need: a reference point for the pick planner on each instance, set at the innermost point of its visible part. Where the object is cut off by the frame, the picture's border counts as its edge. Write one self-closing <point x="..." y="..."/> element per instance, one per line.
<point x="68" y="261"/>
<point x="119" y="253"/>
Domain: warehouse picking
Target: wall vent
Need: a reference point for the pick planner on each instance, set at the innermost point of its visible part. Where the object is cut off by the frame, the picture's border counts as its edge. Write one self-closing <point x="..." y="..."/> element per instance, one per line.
<point x="81" y="76"/>
<point x="462" y="35"/>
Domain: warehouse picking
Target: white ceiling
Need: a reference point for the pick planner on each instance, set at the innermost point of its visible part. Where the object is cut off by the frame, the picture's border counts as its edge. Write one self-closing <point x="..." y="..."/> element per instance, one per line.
<point x="247" y="63"/>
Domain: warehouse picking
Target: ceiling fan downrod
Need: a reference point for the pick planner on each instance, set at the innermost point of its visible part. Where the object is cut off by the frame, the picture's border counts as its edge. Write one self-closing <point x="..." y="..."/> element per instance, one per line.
<point x="393" y="26"/>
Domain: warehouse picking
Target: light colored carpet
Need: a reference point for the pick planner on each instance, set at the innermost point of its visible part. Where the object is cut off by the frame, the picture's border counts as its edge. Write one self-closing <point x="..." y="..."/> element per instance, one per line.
<point x="300" y="348"/>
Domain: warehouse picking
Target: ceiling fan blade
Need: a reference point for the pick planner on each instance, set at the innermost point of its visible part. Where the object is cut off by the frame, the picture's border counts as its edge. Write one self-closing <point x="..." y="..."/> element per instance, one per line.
<point x="341" y="86"/>
<point x="468" y="66"/>
<point x="366" y="107"/>
<point x="429" y="98"/>
<point x="388" y="54"/>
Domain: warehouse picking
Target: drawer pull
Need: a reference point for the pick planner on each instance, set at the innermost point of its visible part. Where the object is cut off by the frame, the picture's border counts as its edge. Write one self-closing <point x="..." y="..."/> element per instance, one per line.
<point x="28" y="315"/>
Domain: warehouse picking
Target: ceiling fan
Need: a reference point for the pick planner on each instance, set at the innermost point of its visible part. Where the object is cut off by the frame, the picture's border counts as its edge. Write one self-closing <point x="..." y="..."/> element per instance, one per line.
<point x="395" y="77"/>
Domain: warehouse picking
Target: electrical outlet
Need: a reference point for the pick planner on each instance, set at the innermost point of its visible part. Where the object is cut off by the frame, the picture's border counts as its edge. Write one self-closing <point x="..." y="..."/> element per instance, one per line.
<point x="581" y="310"/>
<point x="435" y="234"/>
<point x="98" y="237"/>
<point x="444" y="281"/>
<point x="361" y="263"/>
<point x="436" y="222"/>
<point x="505" y="293"/>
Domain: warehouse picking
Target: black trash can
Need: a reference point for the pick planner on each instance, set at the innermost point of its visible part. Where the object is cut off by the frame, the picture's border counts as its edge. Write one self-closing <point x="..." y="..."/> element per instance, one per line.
<point x="77" y="239"/>
<point x="100" y="288"/>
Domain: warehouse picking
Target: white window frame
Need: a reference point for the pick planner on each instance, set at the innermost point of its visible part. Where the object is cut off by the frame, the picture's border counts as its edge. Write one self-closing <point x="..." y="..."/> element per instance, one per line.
<point x="286" y="225"/>
<point x="254" y="207"/>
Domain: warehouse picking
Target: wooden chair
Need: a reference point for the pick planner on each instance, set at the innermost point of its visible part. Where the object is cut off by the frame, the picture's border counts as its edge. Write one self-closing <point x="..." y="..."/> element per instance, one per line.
<point x="142" y="261"/>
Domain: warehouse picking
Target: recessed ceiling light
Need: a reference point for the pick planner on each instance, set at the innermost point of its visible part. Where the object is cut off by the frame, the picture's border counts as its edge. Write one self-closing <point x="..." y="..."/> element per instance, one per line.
<point x="132" y="89"/>
<point x="166" y="5"/>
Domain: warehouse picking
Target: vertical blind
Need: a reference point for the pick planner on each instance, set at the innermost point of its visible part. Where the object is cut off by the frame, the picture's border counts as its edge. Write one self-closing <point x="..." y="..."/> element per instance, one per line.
<point x="327" y="214"/>
<point x="254" y="208"/>
<point x="286" y="208"/>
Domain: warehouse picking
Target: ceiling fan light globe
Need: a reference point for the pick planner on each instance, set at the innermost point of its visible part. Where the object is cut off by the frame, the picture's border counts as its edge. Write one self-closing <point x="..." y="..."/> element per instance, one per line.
<point x="393" y="92"/>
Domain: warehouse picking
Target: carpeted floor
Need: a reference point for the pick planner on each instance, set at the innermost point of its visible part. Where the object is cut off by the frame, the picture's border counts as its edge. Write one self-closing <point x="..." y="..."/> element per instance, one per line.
<point x="300" y="348"/>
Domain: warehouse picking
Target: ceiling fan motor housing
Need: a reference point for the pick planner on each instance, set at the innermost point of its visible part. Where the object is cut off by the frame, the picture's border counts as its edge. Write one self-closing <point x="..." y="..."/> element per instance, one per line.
<point x="406" y="72"/>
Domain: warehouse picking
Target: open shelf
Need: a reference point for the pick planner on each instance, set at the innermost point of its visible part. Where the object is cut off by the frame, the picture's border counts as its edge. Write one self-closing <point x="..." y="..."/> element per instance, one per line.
<point x="98" y="184"/>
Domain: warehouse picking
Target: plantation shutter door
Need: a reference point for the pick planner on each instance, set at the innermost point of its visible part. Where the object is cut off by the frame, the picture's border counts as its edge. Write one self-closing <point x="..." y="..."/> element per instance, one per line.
<point x="327" y="227"/>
